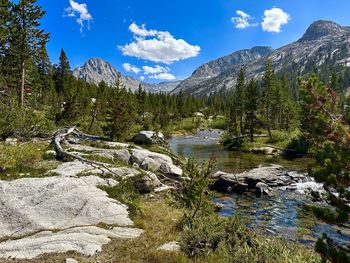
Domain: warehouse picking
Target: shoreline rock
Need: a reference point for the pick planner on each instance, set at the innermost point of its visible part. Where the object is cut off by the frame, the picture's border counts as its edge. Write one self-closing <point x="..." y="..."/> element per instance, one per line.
<point x="149" y="137"/>
<point x="261" y="180"/>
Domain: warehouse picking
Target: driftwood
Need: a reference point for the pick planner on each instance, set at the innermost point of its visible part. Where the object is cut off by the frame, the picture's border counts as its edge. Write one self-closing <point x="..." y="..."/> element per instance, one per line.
<point x="62" y="135"/>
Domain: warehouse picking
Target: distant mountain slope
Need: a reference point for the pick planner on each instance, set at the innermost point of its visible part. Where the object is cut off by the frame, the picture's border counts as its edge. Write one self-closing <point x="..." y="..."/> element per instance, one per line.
<point x="324" y="43"/>
<point x="96" y="70"/>
<point x="214" y="68"/>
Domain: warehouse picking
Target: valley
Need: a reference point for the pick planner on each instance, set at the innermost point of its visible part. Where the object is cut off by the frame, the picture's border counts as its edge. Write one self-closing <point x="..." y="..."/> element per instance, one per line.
<point x="245" y="160"/>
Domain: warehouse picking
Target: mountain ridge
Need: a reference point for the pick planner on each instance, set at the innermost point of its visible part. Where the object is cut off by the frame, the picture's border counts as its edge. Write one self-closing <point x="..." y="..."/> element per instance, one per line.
<point x="323" y="42"/>
<point x="95" y="70"/>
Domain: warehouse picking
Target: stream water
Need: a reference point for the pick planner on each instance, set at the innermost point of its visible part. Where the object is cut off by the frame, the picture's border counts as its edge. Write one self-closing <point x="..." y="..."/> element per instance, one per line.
<point x="282" y="214"/>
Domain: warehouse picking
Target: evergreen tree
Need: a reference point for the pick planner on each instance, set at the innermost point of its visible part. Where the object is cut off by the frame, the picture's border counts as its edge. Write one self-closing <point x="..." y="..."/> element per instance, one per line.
<point x="239" y="98"/>
<point x="328" y="133"/>
<point x="141" y="96"/>
<point x="120" y="113"/>
<point x="63" y="71"/>
<point x="268" y="87"/>
<point x="251" y="105"/>
<point x="26" y="38"/>
<point x="44" y="70"/>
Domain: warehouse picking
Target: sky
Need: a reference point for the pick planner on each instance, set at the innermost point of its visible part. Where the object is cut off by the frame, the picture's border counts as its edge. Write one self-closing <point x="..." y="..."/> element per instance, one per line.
<point x="164" y="40"/>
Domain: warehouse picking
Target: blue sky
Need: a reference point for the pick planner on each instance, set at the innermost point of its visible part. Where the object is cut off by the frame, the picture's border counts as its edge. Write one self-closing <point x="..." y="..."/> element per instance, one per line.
<point x="161" y="40"/>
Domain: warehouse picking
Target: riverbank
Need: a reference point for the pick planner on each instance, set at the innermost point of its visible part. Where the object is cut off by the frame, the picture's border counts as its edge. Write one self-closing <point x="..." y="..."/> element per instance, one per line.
<point x="285" y="212"/>
<point x="83" y="194"/>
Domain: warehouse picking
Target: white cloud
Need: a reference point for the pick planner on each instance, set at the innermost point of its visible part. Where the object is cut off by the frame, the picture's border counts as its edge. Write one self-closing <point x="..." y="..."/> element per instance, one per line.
<point x="163" y="76"/>
<point x="274" y="19"/>
<point x="130" y="68"/>
<point x="155" y="70"/>
<point x="142" y="78"/>
<point x="158" y="46"/>
<point x="81" y="11"/>
<point x="243" y="20"/>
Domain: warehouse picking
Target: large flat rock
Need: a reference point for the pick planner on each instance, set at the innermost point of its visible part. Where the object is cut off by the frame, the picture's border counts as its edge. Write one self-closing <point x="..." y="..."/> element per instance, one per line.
<point x="85" y="240"/>
<point x="34" y="204"/>
<point x="76" y="168"/>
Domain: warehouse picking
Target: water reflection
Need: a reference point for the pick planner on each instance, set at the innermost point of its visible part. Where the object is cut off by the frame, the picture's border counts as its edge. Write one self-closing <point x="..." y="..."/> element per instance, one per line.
<point x="282" y="214"/>
<point x="206" y="144"/>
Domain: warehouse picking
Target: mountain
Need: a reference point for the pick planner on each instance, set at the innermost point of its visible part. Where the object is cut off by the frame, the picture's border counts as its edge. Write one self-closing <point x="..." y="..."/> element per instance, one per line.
<point x="324" y="43"/>
<point x="216" y="67"/>
<point x="96" y="70"/>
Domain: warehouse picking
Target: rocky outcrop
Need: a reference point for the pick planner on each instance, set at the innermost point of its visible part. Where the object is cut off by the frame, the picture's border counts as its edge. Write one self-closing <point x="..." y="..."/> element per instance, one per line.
<point x="149" y="137"/>
<point x="142" y="158"/>
<point x="155" y="162"/>
<point x="31" y="205"/>
<point x="68" y="210"/>
<point x="85" y="240"/>
<point x="261" y="180"/>
<point x="262" y="189"/>
<point x="32" y="210"/>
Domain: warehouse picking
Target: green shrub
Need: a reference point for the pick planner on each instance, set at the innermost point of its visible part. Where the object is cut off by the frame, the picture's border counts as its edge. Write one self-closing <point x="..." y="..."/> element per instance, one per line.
<point x="278" y="136"/>
<point x="330" y="216"/>
<point x="127" y="192"/>
<point x="216" y="239"/>
<point x="195" y="194"/>
<point x="15" y="121"/>
<point x="20" y="156"/>
<point x="298" y="143"/>
<point x="218" y="123"/>
<point x="330" y="251"/>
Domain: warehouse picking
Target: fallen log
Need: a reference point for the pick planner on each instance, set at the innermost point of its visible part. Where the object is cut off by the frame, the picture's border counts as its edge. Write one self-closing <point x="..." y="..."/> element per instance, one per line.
<point x="62" y="135"/>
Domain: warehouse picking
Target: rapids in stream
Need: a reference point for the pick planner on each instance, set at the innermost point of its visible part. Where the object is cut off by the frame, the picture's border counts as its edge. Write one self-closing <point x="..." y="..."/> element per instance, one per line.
<point x="282" y="214"/>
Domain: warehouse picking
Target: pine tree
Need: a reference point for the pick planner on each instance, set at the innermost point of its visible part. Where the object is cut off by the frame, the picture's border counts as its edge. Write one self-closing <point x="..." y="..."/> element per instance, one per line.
<point x="62" y="72"/>
<point x="26" y="38"/>
<point x="268" y="87"/>
<point x="251" y="105"/>
<point x="180" y="105"/>
<point x="239" y="98"/>
<point x="141" y="96"/>
<point x="44" y="71"/>
<point x="328" y="133"/>
<point x="120" y="113"/>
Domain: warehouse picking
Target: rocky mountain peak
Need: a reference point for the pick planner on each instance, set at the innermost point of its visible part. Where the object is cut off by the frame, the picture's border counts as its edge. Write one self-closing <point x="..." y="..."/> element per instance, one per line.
<point x="96" y="70"/>
<point x="322" y="28"/>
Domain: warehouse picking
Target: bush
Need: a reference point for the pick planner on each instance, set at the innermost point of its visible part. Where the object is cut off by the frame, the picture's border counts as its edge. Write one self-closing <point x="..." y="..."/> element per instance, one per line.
<point x="195" y="194"/>
<point x="330" y="216"/>
<point x="15" y="121"/>
<point x="20" y="156"/>
<point x="127" y="193"/>
<point x="216" y="239"/>
<point x="278" y="136"/>
<point x="218" y="123"/>
<point x="201" y="236"/>
<point x="330" y="251"/>
<point x="298" y="143"/>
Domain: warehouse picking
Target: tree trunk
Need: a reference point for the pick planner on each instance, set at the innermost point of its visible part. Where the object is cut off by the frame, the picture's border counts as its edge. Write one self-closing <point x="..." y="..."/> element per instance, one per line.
<point x="251" y="127"/>
<point x="22" y="83"/>
<point x="241" y="123"/>
<point x="93" y="117"/>
<point x="268" y="123"/>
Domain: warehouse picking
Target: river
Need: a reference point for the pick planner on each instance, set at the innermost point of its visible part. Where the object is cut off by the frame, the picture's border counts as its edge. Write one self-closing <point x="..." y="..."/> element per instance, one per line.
<point x="282" y="214"/>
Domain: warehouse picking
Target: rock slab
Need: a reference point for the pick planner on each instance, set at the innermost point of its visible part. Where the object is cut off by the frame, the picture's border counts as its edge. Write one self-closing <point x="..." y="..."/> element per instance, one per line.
<point x="85" y="240"/>
<point x="58" y="214"/>
<point x="260" y="179"/>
